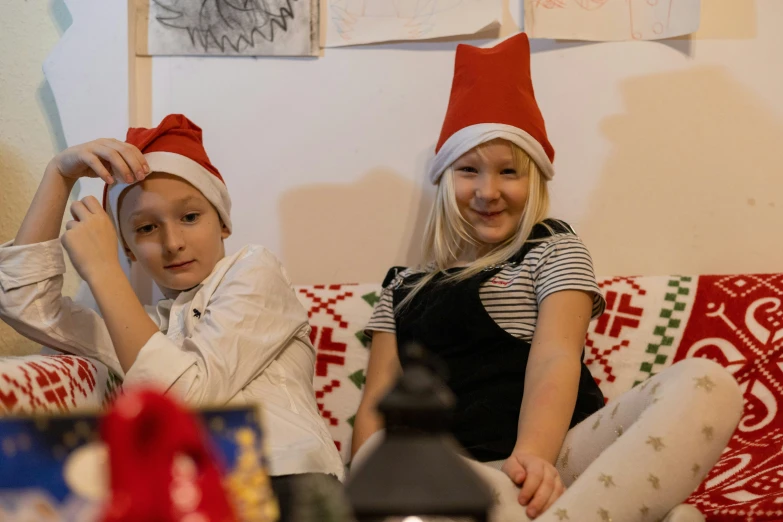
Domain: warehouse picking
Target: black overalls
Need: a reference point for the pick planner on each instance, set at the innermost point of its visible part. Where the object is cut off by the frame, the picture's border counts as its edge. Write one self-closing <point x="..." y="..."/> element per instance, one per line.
<point x="486" y="364"/>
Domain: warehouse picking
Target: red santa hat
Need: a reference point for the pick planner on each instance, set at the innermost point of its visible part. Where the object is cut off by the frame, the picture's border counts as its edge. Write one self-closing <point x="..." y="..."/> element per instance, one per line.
<point x="492" y="97"/>
<point x="174" y="147"/>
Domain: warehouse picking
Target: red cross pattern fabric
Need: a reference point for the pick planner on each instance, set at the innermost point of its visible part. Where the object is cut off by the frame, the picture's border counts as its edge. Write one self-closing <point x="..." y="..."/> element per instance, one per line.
<point x="53" y="383"/>
<point x="737" y="320"/>
<point x="338" y="315"/>
<point x="639" y="331"/>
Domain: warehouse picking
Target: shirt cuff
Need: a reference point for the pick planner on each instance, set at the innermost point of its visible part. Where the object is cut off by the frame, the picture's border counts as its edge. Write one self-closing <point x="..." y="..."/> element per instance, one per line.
<point x="159" y="362"/>
<point x="29" y="264"/>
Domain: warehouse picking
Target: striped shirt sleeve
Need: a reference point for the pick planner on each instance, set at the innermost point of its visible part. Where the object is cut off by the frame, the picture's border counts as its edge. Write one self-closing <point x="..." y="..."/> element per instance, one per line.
<point x="565" y="264"/>
<point x="382" y="319"/>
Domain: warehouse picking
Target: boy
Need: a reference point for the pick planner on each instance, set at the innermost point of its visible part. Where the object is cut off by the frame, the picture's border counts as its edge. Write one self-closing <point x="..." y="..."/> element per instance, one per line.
<point x="230" y="330"/>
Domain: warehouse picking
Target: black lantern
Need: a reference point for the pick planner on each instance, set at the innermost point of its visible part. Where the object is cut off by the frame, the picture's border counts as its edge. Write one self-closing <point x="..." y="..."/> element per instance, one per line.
<point x="416" y="473"/>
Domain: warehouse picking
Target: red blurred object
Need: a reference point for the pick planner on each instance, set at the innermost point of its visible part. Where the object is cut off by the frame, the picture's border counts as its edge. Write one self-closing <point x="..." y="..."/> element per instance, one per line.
<point x="161" y="466"/>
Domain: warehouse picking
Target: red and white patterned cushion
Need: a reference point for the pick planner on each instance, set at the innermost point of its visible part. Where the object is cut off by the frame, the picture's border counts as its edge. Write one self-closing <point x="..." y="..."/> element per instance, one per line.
<point x="53" y="384"/>
<point x="338" y="315"/>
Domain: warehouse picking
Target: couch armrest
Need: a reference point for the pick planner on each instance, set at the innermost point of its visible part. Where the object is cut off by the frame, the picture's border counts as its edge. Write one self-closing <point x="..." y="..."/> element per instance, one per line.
<point x="54" y="384"/>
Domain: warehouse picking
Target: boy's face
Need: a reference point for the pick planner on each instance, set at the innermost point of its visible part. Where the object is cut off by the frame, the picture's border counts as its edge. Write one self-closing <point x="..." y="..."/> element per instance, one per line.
<point x="172" y="230"/>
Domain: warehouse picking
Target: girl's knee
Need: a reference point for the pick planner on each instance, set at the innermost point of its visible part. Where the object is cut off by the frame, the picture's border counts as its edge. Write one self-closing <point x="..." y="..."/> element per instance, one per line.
<point x="718" y="384"/>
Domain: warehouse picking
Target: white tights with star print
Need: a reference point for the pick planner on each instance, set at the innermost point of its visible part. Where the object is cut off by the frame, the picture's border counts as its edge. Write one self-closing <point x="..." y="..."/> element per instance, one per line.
<point x="639" y="457"/>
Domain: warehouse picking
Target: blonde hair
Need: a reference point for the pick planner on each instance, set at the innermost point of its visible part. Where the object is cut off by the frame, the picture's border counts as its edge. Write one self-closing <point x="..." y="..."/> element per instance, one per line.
<point x="447" y="233"/>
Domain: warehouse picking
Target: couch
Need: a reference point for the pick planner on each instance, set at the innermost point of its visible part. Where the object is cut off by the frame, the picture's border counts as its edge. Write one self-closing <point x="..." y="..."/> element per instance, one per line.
<point x="649" y="324"/>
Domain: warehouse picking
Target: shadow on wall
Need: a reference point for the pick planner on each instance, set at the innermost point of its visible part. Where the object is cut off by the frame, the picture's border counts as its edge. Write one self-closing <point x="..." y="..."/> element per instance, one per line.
<point x="60" y="14"/>
<point x="692" y="184"/>
<point x="353" y="233"/>
<point x="62" y="20"/>
<point x="49" y="108"/>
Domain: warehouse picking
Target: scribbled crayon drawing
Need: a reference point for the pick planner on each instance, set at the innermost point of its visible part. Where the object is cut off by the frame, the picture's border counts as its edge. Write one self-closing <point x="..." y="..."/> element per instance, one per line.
<point x="248" y="27"/>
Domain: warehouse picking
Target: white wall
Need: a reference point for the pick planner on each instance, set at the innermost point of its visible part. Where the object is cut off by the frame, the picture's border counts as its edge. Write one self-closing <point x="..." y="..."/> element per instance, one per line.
<point x="667" y="152"/>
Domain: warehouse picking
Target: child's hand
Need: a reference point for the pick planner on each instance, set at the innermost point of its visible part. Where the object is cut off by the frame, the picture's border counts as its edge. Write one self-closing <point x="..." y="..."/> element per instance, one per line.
<point x="90" y="240"/>
<point x="540" y="481"/>
<point x="105" y="158"/>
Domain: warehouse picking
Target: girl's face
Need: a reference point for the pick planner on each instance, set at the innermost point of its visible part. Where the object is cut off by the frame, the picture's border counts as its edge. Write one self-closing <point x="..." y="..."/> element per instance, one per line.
<point x="172" y="230"/>
<point x="491" y="193"/>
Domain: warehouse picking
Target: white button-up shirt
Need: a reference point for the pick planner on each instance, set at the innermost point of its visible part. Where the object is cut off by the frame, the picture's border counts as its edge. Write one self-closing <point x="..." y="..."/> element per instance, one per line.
<point x="240" y="337"/>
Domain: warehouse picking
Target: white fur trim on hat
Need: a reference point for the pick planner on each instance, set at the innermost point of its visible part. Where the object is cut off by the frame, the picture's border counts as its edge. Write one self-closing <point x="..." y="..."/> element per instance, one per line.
<point x="465" y="139"/>
<point x="178" y="165"/>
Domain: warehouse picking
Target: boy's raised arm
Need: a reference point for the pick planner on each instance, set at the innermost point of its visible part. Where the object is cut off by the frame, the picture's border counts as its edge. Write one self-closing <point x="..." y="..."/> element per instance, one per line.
<point x="103" y="158"/>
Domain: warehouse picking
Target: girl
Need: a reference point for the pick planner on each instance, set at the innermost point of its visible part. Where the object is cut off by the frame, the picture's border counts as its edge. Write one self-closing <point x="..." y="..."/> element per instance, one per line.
<point x="231" y="329"/>
<point x="505" y="297"/>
